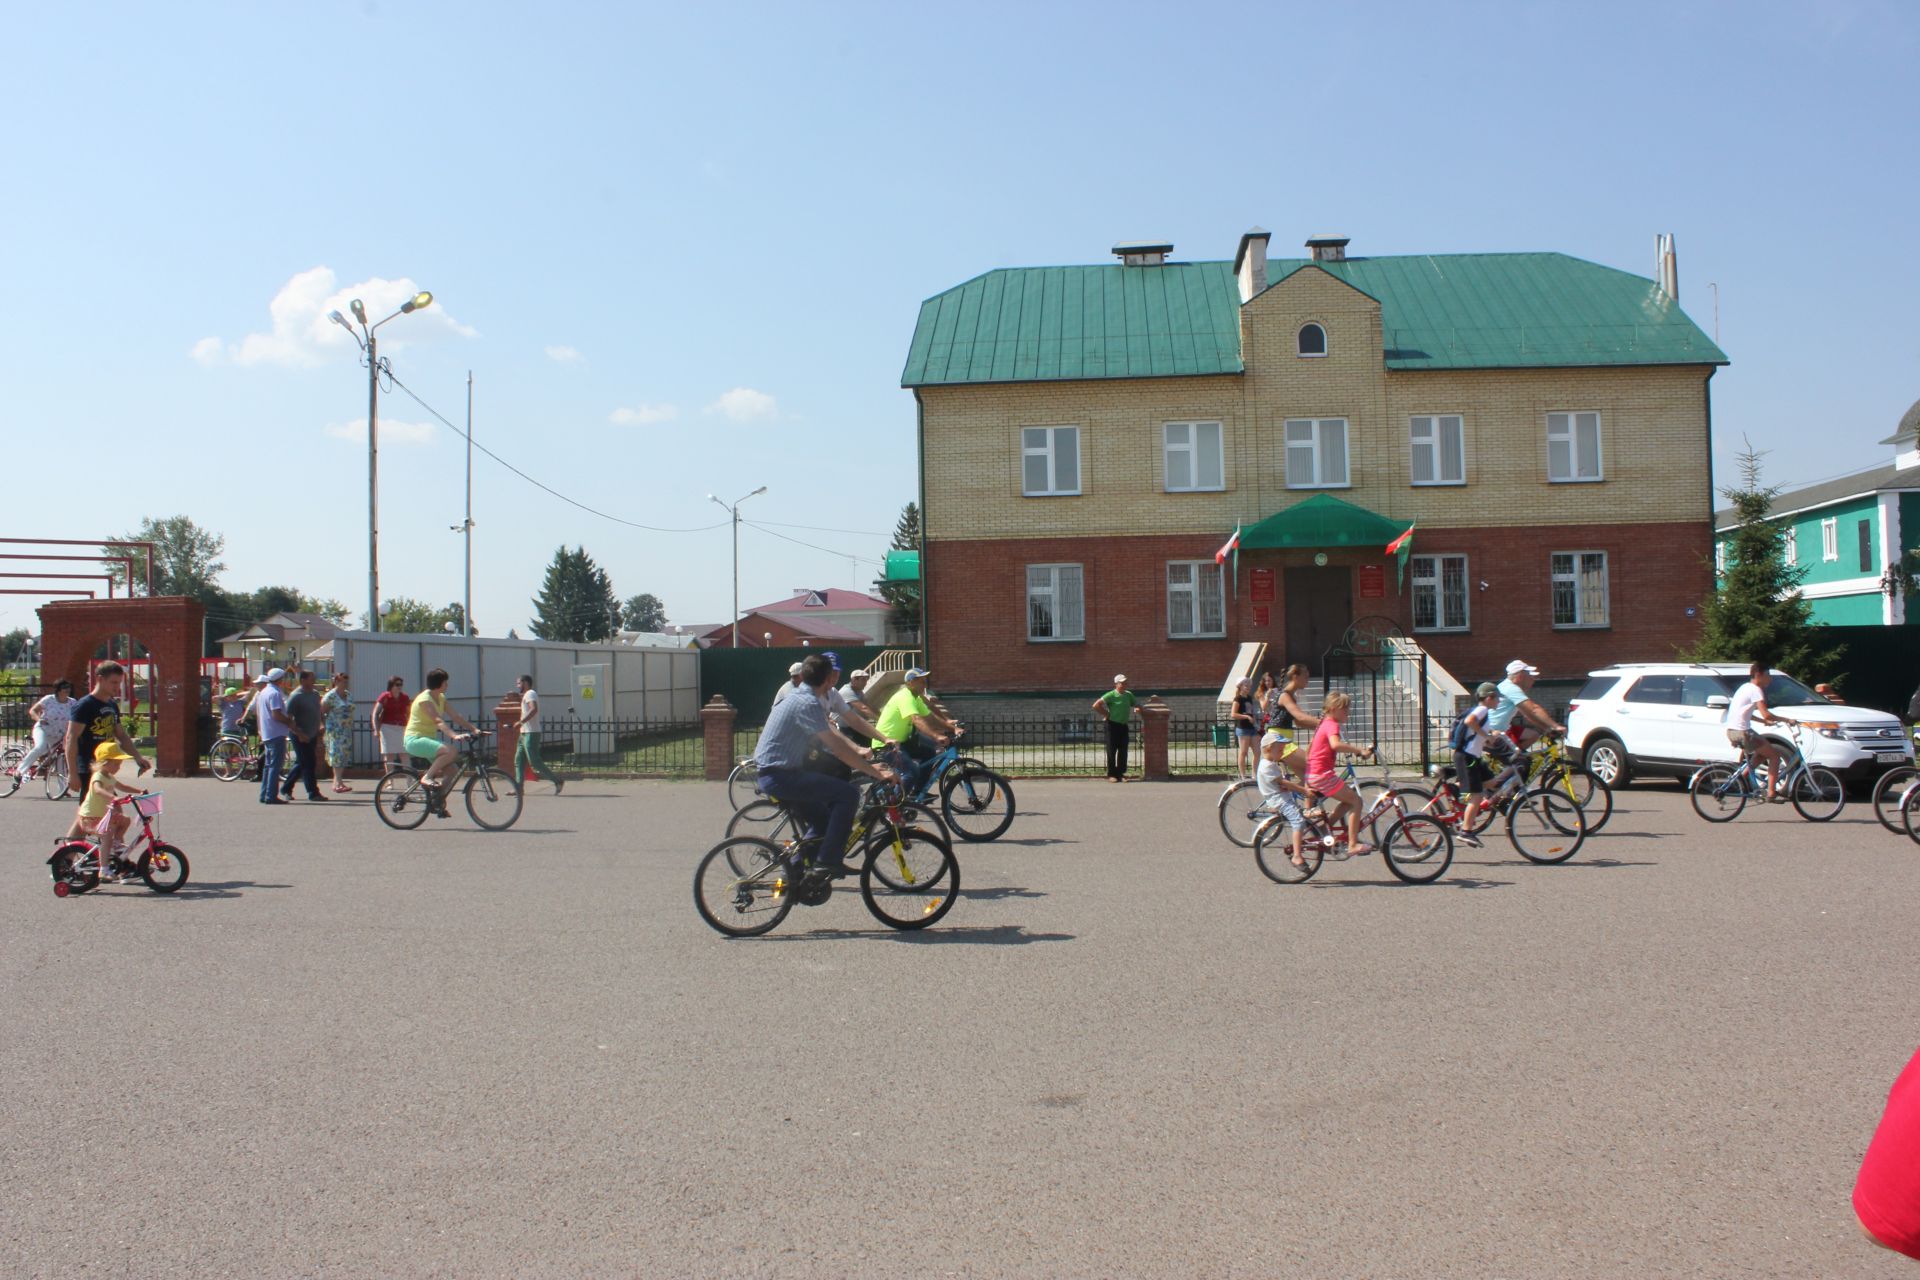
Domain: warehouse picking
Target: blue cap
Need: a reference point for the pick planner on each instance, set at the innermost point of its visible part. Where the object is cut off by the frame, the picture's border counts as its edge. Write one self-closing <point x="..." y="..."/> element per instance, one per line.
<point x="833" y="658"/>
<point x="917" y="673"/>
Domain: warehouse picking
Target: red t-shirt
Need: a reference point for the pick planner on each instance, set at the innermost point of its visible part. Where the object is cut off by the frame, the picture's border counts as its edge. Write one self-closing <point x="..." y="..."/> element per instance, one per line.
<point x="1887" y="1194"/>
<point x="394" y="707"/>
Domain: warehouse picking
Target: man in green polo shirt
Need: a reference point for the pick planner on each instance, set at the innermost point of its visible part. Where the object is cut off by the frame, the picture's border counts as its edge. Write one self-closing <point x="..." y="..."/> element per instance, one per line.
<point x="1116" y="707"/>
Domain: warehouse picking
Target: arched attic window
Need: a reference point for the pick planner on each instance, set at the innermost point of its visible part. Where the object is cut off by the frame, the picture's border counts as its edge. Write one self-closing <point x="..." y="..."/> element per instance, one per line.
<point x="1312" y="340"/>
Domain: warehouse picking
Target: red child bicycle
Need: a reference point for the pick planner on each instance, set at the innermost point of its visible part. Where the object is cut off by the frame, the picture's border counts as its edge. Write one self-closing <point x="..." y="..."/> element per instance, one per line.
<point x="78" y="865"/>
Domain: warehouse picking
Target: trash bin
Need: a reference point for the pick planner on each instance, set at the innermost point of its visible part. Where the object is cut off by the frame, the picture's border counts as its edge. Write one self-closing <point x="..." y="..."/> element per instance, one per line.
<point x="1223" y="735"/>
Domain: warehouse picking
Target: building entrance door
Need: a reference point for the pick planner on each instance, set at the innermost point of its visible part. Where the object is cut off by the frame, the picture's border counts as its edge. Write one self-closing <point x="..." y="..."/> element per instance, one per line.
<point x="1319" y="605"/>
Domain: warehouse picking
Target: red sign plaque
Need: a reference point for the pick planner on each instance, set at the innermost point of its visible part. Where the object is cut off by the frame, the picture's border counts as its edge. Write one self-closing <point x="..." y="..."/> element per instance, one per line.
<point x="1262" y="616"/>
<point x="1373" y="582"/>
<point x="1260" y="586"/>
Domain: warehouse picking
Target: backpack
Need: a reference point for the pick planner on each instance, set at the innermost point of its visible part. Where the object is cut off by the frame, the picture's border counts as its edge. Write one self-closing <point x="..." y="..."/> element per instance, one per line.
<point x="1462" y="732"/>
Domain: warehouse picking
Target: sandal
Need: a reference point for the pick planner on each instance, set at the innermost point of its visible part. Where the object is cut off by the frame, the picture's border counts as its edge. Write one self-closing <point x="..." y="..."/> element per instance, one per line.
<point x="1359" y="850"/>
<point x="339" y="787"/>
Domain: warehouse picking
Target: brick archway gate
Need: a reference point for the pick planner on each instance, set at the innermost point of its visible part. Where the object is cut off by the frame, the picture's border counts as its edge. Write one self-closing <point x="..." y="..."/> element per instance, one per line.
<point x="169" y="627"/>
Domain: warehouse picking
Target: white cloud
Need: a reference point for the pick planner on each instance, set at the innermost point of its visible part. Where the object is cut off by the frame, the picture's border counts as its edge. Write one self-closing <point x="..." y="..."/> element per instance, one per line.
<point x="744" y="404"/>
<point x="565" y="355"/>
<point x="392" y="431"/>
<point x="642" y="415"/>
<point x="302" y="334"/>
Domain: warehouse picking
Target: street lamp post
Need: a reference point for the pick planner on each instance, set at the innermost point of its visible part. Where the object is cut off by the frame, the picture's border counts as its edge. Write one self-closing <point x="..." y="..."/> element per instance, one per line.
<point x="367" y="339"/>
<point x="734" y="511"/>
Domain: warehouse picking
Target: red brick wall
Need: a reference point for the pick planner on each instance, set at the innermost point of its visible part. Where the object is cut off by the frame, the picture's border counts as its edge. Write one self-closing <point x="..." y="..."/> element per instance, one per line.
<point x="976" y="601"/>
<point x="169" y="627"/>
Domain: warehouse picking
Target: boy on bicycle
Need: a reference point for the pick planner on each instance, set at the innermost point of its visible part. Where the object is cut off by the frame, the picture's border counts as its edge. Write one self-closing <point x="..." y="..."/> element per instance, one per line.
<point x="1279" y="793"/>
<point x="1750" y="704"/>
<point x="1471" y="739"/>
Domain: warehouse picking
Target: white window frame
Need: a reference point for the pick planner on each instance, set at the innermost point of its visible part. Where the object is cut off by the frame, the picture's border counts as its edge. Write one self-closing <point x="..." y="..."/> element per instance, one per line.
<point x="1051" y="591"/>
<point x="1190" y="447"/>
<point x="1049" y="451"/>
<point x="1581" y="621"/>
<point x="1830" y="538"/>
<point x="1429" y="574"/>
<point x="1567" y="431"/>
<point x="1426" y="432"/>
<point x="1201" y="572"/>
<point x="1317" y="445"/>
<point x="1720" y="556"/>
<point x="1790" y="545"/>
<point x="1326" y="341"/>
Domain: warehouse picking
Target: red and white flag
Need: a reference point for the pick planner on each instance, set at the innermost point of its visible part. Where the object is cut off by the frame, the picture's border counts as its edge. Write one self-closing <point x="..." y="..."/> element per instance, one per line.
<point x="1400" y="541"/>
<point x="1228" y="548"/>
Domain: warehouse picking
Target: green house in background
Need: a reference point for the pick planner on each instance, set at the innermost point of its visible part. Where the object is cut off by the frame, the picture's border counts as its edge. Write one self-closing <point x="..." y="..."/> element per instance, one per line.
<point x="1857" y="537"/>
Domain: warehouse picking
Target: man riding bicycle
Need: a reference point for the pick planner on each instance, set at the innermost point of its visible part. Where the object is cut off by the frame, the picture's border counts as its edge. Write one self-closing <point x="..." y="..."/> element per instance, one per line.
<point x="1516" y="703"/>
<point x="796" y="728"/>
<point x="1750" y="704"/>
<point x="911" y="722"/>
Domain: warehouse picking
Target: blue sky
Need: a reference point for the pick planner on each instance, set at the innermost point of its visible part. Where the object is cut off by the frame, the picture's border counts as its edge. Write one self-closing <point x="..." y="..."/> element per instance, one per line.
<point x="682" y="247"/>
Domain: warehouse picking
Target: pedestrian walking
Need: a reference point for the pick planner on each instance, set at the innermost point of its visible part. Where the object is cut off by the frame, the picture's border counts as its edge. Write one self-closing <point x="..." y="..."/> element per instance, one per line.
<point x="270" y="708"/>
<point x="306" y="721"/>
<point x="526" y="754"/>
<point x="1115" y="708"/>
<point x="336" y="708"/>
<point x="390" y="712"/>
<point x="96" y="719"/>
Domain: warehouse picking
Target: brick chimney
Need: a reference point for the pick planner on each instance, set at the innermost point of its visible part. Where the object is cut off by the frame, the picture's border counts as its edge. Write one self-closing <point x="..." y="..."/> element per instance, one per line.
<point x="1143" y="253"/>
<point x="1250" y="262"/>
<point x="1328" y="248"/>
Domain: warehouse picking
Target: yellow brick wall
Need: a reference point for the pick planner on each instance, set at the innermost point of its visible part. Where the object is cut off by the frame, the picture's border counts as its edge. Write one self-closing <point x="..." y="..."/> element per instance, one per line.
<point x="1653" y="434"/>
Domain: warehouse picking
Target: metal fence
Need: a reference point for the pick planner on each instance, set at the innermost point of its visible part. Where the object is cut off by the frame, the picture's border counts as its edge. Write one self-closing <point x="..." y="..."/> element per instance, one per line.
<point x="1072" y="746"/>
<point x="631" y="748"/>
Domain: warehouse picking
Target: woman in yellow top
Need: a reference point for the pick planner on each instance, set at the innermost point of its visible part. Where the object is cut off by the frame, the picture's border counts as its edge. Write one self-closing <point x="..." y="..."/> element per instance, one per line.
<point x="429" y="733"/>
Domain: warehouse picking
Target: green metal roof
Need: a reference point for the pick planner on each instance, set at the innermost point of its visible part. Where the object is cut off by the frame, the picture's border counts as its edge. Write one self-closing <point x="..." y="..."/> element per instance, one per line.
<point x="1438" y="311"/>
<point x="1321" y="521"/>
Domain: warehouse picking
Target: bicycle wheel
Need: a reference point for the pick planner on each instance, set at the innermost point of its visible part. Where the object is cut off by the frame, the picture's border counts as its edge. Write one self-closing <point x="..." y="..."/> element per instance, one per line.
<point x="976" y="802"/>
<point x="57" y="779"/>
<point x="1587" y="790"/>
<point x="1717" y="794"/>
<point x="768" y="819"/>
<point x="164" y="868"/>
<point x="909" y="878"/>
<point x="1889" y="792"/>
<point x="10" y="761"/>
<point x="1238" y="817"/>
<point x="1418" y="848"/>
<point x="227" y="758"/>
<point x="1273" y="851"/>
<point x="493" y="798"/>
<point x="743" y="905"/>
<point x="400" y="800"/>
<point x="1545" y="826"/>
<point x="67" y="879"/>
<point x="1910" y="813"/>
<point x="743" y="784"/>
<point x="1818" y="795"/>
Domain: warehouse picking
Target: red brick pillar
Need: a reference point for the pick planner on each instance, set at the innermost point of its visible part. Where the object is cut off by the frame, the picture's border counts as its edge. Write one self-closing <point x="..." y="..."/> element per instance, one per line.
<point x="716" y="722"/>
<point x="1155" y="716"/>
<point x="507" y="717"/>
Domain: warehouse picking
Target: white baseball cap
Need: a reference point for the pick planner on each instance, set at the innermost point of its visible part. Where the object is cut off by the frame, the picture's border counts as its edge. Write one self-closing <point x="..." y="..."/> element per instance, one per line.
<point x="1119" y="679"/>
<point x="1515" y="667"/>
<point x="858" y="673"/>
<point x="273" y="675"/>
<point x="794" y="670"/>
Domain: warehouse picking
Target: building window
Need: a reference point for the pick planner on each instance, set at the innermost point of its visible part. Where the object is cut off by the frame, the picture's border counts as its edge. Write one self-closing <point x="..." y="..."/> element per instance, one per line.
<point x="1049" y="461"/>
<point x="1195" y="461"/>
<point x="1439" y="449"/>
<point x="1573" y="447"/>
<point x="1312" y="341"/>
<point x="1056" y="602"/>
<point x="1196" y="599"/>
<point x="1316" y="453"/>
<point x="1439" y="593"/>
<point x="1866" y="547"/>
<point x="1830" y="538"/>
<point x="1579" y="588"/>
<point x="1720" y="556"/>
<point x="1790" y="546"/>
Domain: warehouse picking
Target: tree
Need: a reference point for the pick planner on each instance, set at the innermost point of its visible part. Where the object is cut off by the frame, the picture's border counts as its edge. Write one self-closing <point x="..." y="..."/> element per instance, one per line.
<point x="186" y="558"/>
<point x="407" y="616"/>
<point x="13" y="645"/>
<point x="1756" y="612"/>
<point x="576" y="603"/>
<point x="903" y="596"/>
<point x="644" y="612"/>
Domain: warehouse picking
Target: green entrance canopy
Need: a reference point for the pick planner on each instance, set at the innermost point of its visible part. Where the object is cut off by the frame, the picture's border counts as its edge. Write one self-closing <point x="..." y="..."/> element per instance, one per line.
<point x="1321" y="521"/>
<point x="903" y="566"/>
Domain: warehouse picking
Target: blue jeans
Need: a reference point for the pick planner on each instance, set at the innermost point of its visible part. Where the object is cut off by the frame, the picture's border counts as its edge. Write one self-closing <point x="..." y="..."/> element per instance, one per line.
<point x="825" y="805"/>
<point x="273" y="758"/>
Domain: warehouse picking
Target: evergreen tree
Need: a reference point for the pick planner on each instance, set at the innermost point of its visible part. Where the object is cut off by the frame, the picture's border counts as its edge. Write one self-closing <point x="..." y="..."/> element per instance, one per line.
<point x="903" y="596"/>
<point x="1756" y="612"/>
<point x="576" y="603"/>
<point x="644" y="612"/>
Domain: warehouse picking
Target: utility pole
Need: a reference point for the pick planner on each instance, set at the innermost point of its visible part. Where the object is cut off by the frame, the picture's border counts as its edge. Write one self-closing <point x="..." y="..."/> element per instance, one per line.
<point x="373" y="483"/>
<point x="734" y="511"/>
<point x="466" y="605"/>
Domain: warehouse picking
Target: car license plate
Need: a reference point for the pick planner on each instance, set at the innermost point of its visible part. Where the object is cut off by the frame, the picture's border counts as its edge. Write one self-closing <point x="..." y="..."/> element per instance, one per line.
<point x="1890" y="757"/>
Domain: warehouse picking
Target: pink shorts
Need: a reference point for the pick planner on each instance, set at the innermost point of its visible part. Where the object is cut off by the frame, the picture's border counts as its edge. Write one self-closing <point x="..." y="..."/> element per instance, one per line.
<point x="1327" y="784"/>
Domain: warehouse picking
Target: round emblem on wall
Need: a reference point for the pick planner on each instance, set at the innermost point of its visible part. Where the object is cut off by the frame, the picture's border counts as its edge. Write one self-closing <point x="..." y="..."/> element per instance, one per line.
<point x="1320" y="558"/>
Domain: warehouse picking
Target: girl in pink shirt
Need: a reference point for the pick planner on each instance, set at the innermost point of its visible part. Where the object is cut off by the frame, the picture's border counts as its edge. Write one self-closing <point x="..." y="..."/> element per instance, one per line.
<point x="1328" y="744"/>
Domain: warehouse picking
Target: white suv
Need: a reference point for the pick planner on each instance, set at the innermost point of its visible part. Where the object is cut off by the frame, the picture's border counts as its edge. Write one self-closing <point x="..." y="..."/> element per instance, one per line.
<point x="1642" y="718"/>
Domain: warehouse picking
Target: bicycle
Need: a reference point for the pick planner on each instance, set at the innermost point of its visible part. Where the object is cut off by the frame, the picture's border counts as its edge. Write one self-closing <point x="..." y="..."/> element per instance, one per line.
<point x="1544" y="825"/>
<point x="55" y="777"/>
<point x="976" y="802"/>
<point x="1720" y="792"/>
<point x="1890" y="791"/>
<point x="1416" y="848"/>
<point x="77" y="865"/>
<point x="493" y="798"/>
<point x="1241" y="808"/>
<point x="1546" y="765"/>
<point x="743" y="783"/>
<point x="746" y="885"/>
<point x="888" y="796"/>
<point x="232" y="758"/>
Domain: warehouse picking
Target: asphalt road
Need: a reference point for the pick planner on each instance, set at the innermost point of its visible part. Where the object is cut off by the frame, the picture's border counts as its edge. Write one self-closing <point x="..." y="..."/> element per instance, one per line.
<point x="348" y="1051"/>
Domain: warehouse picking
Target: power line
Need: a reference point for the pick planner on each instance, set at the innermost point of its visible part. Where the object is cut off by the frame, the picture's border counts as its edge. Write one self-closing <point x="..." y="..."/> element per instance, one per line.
<point x="862" y="533"/>
<point x="844" y="555"/>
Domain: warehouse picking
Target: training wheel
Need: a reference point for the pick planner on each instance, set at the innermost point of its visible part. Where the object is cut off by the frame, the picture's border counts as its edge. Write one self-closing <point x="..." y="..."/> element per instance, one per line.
<point x="61" y="888"/>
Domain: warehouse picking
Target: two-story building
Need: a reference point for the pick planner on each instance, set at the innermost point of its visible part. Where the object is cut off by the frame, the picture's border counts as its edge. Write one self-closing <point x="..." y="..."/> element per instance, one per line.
<point x="1091" y="435"/>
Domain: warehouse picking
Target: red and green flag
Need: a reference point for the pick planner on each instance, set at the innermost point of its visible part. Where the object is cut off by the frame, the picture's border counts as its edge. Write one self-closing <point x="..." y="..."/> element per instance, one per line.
<point x="1401" y="547"/>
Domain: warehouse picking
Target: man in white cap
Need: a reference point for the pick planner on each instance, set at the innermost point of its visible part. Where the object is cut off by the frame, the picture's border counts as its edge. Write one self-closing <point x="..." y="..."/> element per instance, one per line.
<point x="854" y="694"/>
<point x="1115" y="708"/>
<point x="275" y="729"/>
<point x="1516" y="699"/>
<point x="910" y="720"/>
<point x="793" y="682"/>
